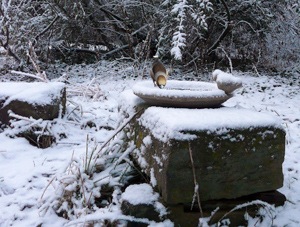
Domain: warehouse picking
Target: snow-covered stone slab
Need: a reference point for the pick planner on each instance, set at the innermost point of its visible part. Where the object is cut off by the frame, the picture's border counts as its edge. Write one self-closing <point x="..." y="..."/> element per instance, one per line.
<point x="236" y="152"/>
<point x="173" y="123"/>
<point x="38" y="100"/>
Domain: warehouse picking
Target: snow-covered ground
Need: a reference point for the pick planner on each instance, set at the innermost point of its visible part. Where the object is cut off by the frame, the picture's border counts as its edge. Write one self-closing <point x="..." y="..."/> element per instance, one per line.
<point x="29" y="175"/>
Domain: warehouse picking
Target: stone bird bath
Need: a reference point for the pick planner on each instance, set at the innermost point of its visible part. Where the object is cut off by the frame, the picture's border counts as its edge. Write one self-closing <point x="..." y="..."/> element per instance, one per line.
<point x="189" y="94"/>
<point x="236" y="152"/>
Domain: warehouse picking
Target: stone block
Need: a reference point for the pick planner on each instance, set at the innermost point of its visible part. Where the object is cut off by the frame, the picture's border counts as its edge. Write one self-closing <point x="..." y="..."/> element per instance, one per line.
<point x="139" y="211"/>
<point x="140" y="202"/>
<point x="37" y="100"/>
<point x="236" y="152"/>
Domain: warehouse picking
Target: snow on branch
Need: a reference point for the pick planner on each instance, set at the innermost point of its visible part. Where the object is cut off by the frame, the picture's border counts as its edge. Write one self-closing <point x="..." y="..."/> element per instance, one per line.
<point x="5" y="6"/>
<point x="200" y="17"/>
<point x="40" y="77"/>
<point x="198" y="11"/>
<point x="178" y="40"/>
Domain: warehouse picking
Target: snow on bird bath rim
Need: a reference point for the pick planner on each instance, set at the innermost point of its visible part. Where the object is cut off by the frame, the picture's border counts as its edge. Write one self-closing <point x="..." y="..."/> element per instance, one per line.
<point x="179" y="89"/>
<point x="187" y="94"/>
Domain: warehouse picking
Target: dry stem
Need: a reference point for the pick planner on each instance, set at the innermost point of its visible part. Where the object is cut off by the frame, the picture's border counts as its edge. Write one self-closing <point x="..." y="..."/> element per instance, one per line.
<point x="195" y="181"/>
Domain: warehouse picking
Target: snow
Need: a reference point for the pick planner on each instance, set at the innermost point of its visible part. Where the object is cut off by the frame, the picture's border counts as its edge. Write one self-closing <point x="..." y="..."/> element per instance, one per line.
<point x="28" y="174"/>
<point x="143" y="194"/>
<point x="179" y="89"/>
<point x="178" y="39"/>
<point x="140" y="194"/>
<point x="35" y="92"/>
<point x="169" y="123"/>
<point x="224" y="77"/>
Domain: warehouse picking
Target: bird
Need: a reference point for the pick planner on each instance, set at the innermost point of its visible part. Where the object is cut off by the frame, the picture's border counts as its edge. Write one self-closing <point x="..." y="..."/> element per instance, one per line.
<point x="226" y="81"/>
<point x="159" y="73"/>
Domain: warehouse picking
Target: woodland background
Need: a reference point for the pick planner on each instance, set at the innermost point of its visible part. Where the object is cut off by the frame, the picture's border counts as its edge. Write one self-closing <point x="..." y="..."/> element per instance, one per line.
<point x="194" y="35"/>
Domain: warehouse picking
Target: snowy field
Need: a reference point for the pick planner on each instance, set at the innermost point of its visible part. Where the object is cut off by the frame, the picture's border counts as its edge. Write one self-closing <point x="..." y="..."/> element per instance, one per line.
<point x="29" y="175"/>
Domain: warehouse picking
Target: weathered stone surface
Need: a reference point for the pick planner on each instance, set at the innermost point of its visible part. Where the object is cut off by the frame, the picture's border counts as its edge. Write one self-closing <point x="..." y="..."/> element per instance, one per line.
<point x="38" y="100"/>
<point x="228" y="163"/>
<point x="139" y="211"/>
<point x="140" y="201"/>
<point x="182" y="215"/>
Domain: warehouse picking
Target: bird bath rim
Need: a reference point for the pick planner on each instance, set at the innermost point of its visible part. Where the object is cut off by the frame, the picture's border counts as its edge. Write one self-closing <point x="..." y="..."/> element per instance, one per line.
<point x="188" y="94"/>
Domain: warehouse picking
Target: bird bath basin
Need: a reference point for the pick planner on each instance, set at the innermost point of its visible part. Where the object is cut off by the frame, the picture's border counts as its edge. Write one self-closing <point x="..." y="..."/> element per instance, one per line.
<point x="188" y="94"/>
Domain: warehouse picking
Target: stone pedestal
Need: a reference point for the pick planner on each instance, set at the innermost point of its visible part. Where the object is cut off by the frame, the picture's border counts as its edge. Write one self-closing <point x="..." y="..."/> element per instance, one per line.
<point x="235" y="152"/>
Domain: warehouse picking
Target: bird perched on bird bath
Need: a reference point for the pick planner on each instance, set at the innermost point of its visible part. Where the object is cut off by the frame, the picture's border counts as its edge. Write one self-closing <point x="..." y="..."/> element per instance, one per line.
<point x="226" y="81"/>
<point x="159" y="73"/>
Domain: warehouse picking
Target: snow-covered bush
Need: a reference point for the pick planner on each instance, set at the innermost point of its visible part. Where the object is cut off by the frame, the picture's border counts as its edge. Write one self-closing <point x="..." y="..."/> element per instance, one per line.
<point x="89" y="184"/>
<point x="282" y="42"/>
<point x="199" y="32"/>
<point x="93" y="184"/>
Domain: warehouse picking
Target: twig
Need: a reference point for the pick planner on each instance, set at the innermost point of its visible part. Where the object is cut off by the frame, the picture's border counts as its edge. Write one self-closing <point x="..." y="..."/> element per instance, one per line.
<point x="88" y="163"/>
<point x="28" y="74"/>
<point x="7" y="47"/>
<point x="115" y="50"/>
<point x="45" y="30"/>
<point x="140" y="29"/>
<point x="229" y="59"/>
<point x="31" y="54"/>
<point x="47" y="187"/>
<point x="117" y="131"/>
<point x="19" y="117"/>
<point x="195" y="182"/>
<point x="82" y="186"/>
<point x="238" y="207"/>
<point x="86" y="152"/>
<point x="228" y="27"/>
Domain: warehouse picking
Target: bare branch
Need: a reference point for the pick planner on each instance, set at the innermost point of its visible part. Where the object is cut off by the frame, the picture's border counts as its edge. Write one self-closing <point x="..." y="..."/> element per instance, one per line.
<point x="115" y="50"/>
<point x="28" y="75"/>
<point x="227" y="29"/>
<point x="46" y="29"/>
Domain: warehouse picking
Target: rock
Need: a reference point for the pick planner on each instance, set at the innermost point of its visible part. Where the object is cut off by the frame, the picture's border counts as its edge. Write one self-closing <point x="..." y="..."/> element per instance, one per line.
<point x="140" y="201"/>
<point x="139" y="211"/>
<point x="236" y="152"/>
<point x="237" y="156"/>
<point x="37" y="100"/>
